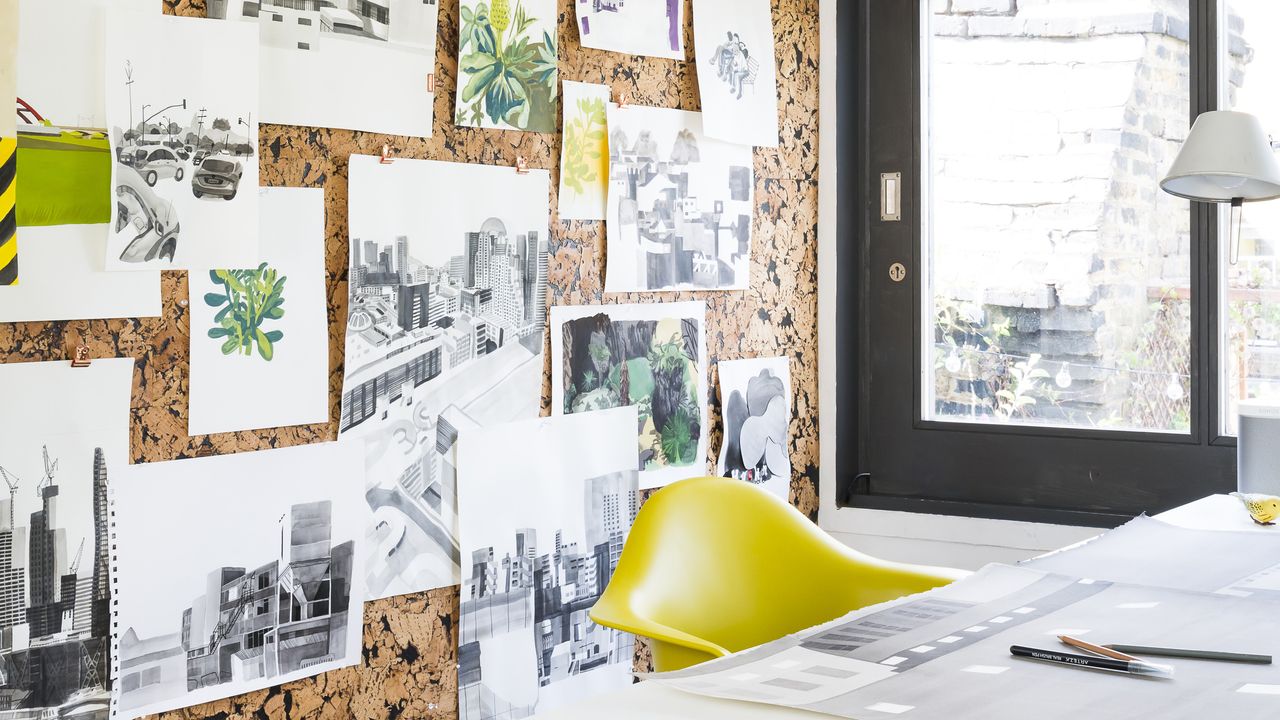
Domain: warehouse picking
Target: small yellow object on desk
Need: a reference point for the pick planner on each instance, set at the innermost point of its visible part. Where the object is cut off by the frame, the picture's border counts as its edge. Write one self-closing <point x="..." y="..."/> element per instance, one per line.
<point x="1262" y="508"/>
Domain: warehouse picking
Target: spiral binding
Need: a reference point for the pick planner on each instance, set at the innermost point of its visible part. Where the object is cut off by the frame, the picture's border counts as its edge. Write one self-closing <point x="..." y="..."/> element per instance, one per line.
<point x="115" y="604"/>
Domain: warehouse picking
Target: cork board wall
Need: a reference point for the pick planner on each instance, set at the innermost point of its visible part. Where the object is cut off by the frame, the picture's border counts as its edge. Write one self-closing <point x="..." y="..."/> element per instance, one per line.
<point x="409" y="642"/>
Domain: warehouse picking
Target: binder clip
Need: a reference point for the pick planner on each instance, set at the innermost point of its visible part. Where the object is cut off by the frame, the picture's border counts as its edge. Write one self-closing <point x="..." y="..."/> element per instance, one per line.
<point x="522" y="165"/>
<point x="622" y="99"/>
<point x="80" y="358"/>
<point x="431" y="83"/>
<point x="386" y="158"/>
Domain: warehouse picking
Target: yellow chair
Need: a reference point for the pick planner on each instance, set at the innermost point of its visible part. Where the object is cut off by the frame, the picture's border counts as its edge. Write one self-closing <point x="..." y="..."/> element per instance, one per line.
<point x="714" y="565"/>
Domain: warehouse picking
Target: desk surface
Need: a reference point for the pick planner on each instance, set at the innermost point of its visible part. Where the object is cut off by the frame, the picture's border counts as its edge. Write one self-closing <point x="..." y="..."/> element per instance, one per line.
<point x="650" y="701"/>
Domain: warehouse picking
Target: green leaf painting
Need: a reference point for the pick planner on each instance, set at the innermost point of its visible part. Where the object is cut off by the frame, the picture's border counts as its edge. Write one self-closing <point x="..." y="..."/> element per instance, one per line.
<point x="507" y="58"/>
<point x="247" y="299"/>
<point x="584" y="162"/>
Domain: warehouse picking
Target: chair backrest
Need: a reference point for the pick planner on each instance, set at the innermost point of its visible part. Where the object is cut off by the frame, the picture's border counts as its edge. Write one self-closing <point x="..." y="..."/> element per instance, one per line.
<point x="727" y="562"/>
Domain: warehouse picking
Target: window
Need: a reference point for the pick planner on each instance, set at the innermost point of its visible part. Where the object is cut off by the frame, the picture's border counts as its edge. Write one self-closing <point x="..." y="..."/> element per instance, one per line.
<point x="277" y="17"/>
<point x="1057" y="274"/>
<point x="304" y="46"/>
<point x="1035" y="332"/>
<point x="1250" y="304"/>
<point x="304" y="21"/>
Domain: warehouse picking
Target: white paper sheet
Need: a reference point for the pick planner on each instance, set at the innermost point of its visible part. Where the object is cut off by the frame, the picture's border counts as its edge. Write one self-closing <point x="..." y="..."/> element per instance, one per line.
<point x="508" y="76"/>
<point x="653" y="356"/>
<point x="207" y="553"/>
<point x="644" y="27"/>
<point x="63" y="279"/>
<point x="680" y="204"/>
<point x="944" y="654"/>
<point x="170" y="211"/>
<point x="445" y="331"/>
<point x="316" y="63"/>
<point x="61" y="428"/>
<point x="233" y="384"/>
<point x="755" y="402"/>
<point x="584" y="152"/>
<point x="546" y="515"/>
<point x="737" y="70"/>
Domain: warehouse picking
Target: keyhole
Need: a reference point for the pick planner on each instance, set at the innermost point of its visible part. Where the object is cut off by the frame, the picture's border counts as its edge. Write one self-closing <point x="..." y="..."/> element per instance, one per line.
<point x="897" y="272"/>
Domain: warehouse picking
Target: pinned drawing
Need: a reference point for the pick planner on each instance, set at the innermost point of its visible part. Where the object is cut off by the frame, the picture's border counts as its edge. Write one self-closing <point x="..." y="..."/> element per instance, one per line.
<point x="584" y="158"/>
<point x="634" y="27"/>
<point x="184" y="143"/>
<point x="508" y="77"/>
<point x="652" y="357"/>
<point x="755" y="397"/>
<point x="279" y="599"/>
<point x="264" y="330"/>
<point x="539" y="554"/>
<point x="63" y="430"/>
<point x="65" y="173"/>
<point x="317" y="56"/>
<point x="737" y="71"/>
<point x="680" y="204"/>
<point x="446" y="323"/>
<point x="8" y="146"/>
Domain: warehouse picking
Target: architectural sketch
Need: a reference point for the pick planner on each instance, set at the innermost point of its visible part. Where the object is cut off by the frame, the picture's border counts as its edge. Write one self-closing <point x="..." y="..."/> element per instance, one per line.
<point x="755" y="402"/>
<point x="55" y="624"/>
<point x="316" y="55"/>
<point x="539" y="553"/>
<point x="680" y="204"/>
<point x="445" y="330"/>
<point x="264" y="330"/>
<point x="737" y="70"/>
<point x="650" y="356"/>
<point x="584" y="155"/>
<point x="508" y="77"/>
<point x="634" y="27"/>
<point x="279" y="599"/>
<point x="184" y="143"/>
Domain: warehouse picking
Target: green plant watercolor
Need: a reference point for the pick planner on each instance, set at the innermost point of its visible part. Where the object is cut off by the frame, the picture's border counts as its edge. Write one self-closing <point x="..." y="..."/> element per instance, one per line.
<point x="508" y="78"/>
<point x="248" y="299"/>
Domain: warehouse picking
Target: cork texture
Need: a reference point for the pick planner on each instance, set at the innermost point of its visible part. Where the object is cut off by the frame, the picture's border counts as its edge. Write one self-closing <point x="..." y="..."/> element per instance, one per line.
<point x="409" y="654"/>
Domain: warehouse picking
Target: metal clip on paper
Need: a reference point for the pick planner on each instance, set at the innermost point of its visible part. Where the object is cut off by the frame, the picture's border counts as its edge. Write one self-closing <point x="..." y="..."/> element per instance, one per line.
<point x="522" y="165"/>
<point x="386" y="158"/>
<point x="80" y="358"/>
<point x="431" y="83"/>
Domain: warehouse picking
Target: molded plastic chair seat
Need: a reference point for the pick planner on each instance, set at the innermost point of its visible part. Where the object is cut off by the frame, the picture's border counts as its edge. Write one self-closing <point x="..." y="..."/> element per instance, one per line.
<point x="715" y="565"/>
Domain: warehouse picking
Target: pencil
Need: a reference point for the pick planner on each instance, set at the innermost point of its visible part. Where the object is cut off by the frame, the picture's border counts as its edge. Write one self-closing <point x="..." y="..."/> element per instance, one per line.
<point x="1096" y="649"/>
<point x="1193" y="654"/>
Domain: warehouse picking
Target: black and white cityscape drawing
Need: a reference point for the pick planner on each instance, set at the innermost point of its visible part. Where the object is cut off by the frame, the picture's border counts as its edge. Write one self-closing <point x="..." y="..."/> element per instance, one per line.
<point x="756" y="397"/>
<point x="287" y="609"/>
<point x="184" y="144"/>
<point x="679" y="204"/>
<point x="317" y="55"/>
<point x="445" y="331"/>
<point x="55" y="616"/>
<point x="536" y="567"/>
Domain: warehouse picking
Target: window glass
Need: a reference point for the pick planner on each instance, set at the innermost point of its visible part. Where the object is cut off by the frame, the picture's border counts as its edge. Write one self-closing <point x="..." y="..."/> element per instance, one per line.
<point x="1057" y="273"/>
<point x="1250" y="317"/>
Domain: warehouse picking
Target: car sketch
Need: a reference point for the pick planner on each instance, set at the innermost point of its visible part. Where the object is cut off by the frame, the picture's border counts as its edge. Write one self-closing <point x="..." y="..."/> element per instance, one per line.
<point x="159" y="163"/>
<point x="151" y="219"/>
<point x="217" y="176"/>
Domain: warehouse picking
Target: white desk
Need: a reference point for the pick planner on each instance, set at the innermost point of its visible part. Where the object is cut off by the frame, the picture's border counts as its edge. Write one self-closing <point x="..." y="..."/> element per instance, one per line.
<point x="650" y="701"/>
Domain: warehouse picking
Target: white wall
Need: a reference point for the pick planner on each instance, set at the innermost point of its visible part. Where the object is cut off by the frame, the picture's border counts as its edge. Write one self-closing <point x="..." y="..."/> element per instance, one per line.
<point x="909" y="537"/>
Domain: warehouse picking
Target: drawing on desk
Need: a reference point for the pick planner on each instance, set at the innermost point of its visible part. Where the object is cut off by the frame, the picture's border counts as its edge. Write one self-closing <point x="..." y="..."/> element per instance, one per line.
<point x="921" y="652"/>
<point x="542" y="525"/>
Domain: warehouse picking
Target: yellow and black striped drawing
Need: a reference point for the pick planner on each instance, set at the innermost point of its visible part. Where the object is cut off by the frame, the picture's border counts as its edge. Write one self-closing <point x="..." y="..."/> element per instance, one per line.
<point x="8" y="212"/>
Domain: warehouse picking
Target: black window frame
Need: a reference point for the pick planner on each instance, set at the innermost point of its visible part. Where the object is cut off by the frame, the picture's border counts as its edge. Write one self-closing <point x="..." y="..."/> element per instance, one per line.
<point x="1058" y="475"/>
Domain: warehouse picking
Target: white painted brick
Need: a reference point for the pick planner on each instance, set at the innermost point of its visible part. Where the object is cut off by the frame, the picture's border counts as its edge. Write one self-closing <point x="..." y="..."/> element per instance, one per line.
<point x="983" y="7"/>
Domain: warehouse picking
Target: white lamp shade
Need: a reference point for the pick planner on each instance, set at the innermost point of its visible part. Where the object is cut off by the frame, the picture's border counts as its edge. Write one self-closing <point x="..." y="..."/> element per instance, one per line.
<point x="1226" y="156"/>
